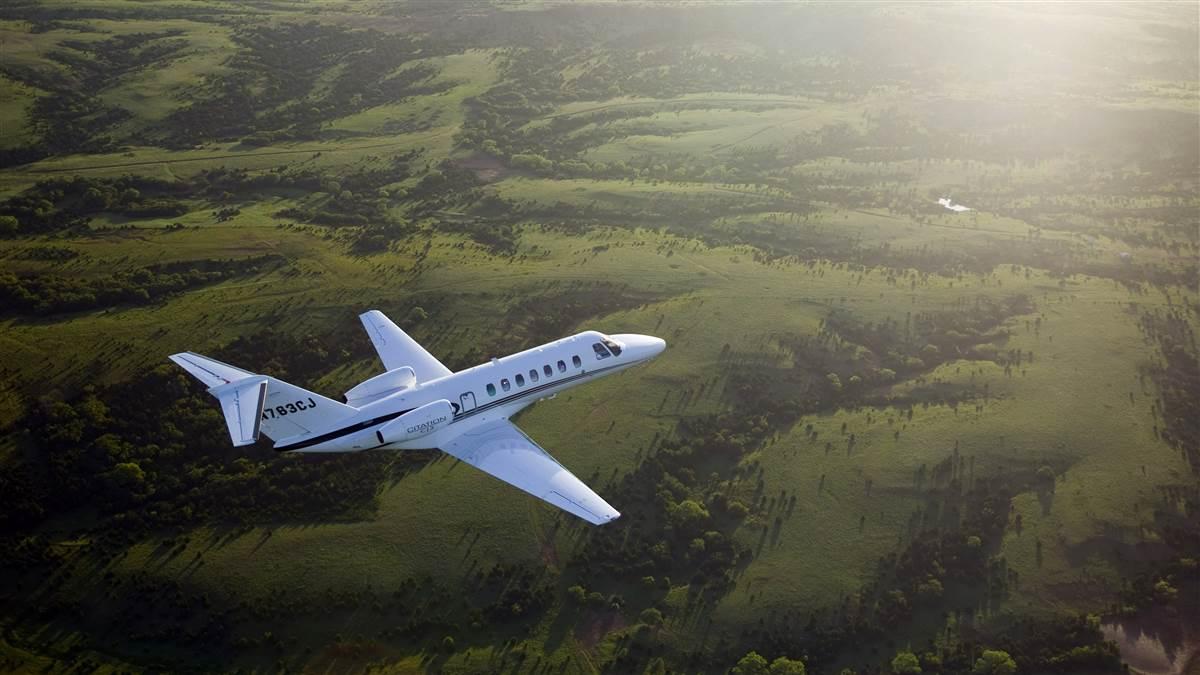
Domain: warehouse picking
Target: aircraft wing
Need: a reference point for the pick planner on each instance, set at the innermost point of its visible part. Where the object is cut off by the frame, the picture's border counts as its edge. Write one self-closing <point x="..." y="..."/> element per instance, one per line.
<point x="501" y="449"/>
<point x="396" y="349"/>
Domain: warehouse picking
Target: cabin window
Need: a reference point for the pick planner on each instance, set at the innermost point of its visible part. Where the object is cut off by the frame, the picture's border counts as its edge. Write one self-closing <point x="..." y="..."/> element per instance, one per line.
<point x="533" y="376"/>
<point x="504" y="384"/>
<point x="601" y="351"/>
<point x="562" y="367"/>
<point x="491" y="389"/>
<point x="548" y="371"/>
<point x="520" y="380"/>
<point x="577" y="361"/>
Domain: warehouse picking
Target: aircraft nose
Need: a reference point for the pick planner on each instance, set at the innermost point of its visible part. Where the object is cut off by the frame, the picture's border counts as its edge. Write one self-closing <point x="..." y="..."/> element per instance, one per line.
<point x="642" y="347"/>
<point x="656" y="346"/>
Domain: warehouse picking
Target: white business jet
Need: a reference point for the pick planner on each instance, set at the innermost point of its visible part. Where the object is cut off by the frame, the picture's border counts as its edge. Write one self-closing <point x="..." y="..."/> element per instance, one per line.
<point x="949" y="204"/>
<point x="419" y="404"/>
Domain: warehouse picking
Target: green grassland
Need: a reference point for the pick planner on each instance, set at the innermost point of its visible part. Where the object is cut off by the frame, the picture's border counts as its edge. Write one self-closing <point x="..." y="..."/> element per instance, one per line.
<point x="732" y="191"/>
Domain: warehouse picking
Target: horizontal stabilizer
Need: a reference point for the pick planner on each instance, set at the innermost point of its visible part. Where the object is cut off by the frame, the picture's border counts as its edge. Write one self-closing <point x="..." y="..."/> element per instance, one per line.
<point x="209" y="371"/>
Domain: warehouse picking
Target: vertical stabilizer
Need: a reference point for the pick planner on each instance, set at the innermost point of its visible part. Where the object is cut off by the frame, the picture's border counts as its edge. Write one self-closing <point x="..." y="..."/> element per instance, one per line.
<point x="242" y="402"/>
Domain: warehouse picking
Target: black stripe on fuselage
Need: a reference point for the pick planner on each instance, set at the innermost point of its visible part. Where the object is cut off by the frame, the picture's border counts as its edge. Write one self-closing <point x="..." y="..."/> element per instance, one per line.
<point x="367" y="424"/>
<point x="344" y="431"/>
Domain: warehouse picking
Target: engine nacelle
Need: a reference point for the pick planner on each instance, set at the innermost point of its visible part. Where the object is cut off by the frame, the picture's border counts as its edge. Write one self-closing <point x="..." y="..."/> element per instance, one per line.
<point x="417" y="422"/>
<point x="382" y="385"/>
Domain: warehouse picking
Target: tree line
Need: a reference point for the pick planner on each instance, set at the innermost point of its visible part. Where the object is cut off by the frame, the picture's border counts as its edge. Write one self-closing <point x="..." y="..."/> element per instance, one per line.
<point x="46" y="294"/>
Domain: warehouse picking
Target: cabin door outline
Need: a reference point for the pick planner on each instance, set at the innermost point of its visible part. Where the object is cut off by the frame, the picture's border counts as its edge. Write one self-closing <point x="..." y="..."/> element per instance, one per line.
<point x="467" y="401"/>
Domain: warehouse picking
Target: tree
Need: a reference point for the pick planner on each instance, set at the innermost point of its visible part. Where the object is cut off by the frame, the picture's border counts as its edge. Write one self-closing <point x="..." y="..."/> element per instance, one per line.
<point x="1164" y="592"/>
<point x="532" y="162"/>
<point x="750" y="664"/>
<point x="994" y="662"/>
<point x="651" y="617"/>
<point x="786" y="666"/>
<point x="906" y="663"/>
<point x="687" y="514"/>
<point x="128" y="475"/>
<point x="930" y="589"/>
<point x="9" y="225"/>
<point x="95" y="199"/>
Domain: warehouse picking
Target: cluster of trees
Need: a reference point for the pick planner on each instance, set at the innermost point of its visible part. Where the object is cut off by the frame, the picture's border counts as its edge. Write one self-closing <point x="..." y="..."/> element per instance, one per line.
<point x="45" y="252"/>
<point x="687" y="214"/>
<point x="44" y="294"/>
<point x="681" y="531"/>
<point x="153" y="452"/>
<point x="919" y="580"/>
<point x="362" y="199"/>
<point x="357" y="198"/>
<point x="1177" y="376"/>
<point x="72" y="118"/>
<point x="925" y="340"/>
<point x="274" y="91"/>
<point x="1171" y="587"/>
<point x="63" y="203"/>
<point x="959" y="557"/>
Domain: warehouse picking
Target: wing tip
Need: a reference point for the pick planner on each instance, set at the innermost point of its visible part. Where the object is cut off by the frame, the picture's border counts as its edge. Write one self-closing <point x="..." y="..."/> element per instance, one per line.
<point x="609" y="517"/>
<point x="601" y="518"/>
<point x="586" y="509"/>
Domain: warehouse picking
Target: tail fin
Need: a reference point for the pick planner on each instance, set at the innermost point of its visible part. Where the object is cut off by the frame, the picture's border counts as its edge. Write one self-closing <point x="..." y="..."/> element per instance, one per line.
<point x="283" y="410"/>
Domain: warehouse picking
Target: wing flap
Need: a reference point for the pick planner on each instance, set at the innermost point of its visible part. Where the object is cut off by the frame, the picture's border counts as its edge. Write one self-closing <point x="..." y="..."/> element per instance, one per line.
<point x="502" y="450"/>
<point x="396" y="349"/>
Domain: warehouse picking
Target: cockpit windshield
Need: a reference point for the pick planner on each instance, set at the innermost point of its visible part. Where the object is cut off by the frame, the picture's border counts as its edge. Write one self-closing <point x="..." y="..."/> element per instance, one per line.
<point x="613" y="346"/>
<point x="606" y="348"/>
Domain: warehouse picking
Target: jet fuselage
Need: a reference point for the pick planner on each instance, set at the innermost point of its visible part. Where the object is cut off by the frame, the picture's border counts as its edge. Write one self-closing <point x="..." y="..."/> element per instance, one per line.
<point x="494" y="390"/>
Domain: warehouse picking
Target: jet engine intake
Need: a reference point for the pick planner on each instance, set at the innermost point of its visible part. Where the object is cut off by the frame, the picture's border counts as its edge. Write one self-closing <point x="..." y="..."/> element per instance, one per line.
<point x="382" y="385"/>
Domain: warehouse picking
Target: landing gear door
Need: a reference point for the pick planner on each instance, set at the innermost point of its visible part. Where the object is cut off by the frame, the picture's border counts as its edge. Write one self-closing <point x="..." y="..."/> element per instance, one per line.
<point x="467" y="401"/>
